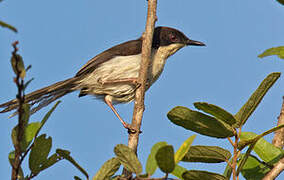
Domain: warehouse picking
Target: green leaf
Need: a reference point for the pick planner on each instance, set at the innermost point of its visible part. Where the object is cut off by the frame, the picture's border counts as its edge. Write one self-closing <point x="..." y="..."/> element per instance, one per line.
<point x="25" y="113"/>
<point x="39" y="153"/>
<point x="47" y="115"/>
<point x="202" y="175"/>
<point x="207" y="154"/>
<point x="108" y="169"/>
<point x="178" y="171"/>
<point x="50" y="161"/>
<point x="128" y="158"/>
<point x="249" y="107"/>
<point x="216" y="111"/>
<point x="151" y="164"/>
<point x="18" y="65"/>
<point x="183" y="149"/>
<point x="265" y="150"/>
<point x="27" y="83"/>
<point x="5" y="25"/>
<point x="254" y="169"/>
<point x="281" y="1"/>
<point x="66" y="155"/>
<point x="29" y="134"/>
<point x="244" y="143"/>
<point x="165" y="158"/>
<point x="199" y="122"/>
<point x="279" y="51"/>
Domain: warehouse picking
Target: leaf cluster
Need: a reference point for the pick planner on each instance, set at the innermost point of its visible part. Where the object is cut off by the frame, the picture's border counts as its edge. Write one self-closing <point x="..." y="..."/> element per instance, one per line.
<point x="31" y="143"/>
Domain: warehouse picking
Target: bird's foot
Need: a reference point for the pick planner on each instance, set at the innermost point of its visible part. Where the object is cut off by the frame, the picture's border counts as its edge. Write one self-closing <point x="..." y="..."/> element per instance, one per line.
<point x="130" y="128"/>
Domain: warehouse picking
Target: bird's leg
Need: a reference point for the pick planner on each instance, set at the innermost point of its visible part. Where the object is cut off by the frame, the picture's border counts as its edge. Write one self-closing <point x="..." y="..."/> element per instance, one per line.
<point x="108" y="101"/>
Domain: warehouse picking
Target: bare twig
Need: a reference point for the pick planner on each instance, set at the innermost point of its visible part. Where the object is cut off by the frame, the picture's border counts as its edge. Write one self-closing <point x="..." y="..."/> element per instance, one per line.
<point x="275" y="171"/>
<point x="235" y="157"/>
<point x="20" y="130"/>
<point x="278" y="141"/>
<point x="140" y="93"/>
<point x="139" y="96"/>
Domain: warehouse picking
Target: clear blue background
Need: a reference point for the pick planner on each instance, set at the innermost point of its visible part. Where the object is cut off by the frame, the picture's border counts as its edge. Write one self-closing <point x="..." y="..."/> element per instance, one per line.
<point x="58" y="37"/>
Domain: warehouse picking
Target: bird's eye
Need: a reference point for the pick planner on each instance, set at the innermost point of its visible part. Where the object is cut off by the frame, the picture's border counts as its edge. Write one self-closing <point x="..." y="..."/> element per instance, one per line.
<point x="173" y="38"/>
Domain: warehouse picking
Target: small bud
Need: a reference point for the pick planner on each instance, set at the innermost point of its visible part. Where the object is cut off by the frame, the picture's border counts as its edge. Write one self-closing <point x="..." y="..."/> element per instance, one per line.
<point x="18" y="65"/>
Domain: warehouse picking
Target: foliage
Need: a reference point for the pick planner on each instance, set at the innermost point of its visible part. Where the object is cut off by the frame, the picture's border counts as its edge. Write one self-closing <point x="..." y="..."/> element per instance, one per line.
<point x="279" y="51"/>
<point x="6" y="25"/>
<point x="217" y="123"/>
<point x="25" y="135"/>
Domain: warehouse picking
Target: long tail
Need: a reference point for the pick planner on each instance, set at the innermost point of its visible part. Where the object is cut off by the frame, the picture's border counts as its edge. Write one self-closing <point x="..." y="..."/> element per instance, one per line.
<point x="44" y="96"/>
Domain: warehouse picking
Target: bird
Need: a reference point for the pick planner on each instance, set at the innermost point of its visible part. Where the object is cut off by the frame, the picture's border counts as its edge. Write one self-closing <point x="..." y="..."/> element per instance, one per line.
<point x="112" y="75"/>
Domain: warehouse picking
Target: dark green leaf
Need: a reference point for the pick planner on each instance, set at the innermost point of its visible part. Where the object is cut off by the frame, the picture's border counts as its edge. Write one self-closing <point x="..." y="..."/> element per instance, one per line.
<point x="28" y="68"/>
<point x="254" y="169"/>
<point x="25" y="114"/>
<point x="151" y="164"/>
<point x="281" y="1"/>
<point x="207" y="154"/>
<point x="27" y="83"/>
<point x="204" y="175"/>
<point x="279" y="51"/>
<point x="165" y="158"/>
<point x="18" y="65"/>
<point x="265" y="150"/>
<point x="39" y="153"/>
<point x="14" y="135"/>
<point x="199" y="122"/>
<point x="3" y="24"/>
<point x="108" y="169"/>
<point x="66" y="155"/>
<point x="183" y="149"/>
<point x="245" y="157"/>
<point x="178" y="171"/>
<point x="249" y="107"/>
<point x="47" y="115"/>
<point x="50" y="161"/>
<point x="128" y="158"/>
<point x="217" y="112"/>
<point x="29" y="134"/>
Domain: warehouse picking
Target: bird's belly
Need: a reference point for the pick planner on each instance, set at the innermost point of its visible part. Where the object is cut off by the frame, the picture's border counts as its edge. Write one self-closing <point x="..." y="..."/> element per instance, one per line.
<point x="104" y="79"/>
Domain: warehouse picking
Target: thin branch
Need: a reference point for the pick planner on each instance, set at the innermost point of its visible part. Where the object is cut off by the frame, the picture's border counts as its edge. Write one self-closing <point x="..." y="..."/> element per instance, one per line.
<point x="278" y="141"/>
<point x="140" y="92"/>
<point x="20" y="130"/>
<point x="139" y="96"/>
<point x="235" y="157"/>
<point x="276" y="170"/>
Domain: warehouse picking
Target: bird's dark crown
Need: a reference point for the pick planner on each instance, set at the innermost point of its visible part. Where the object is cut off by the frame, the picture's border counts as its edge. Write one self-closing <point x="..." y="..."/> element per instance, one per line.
<point x="164" y="36"/>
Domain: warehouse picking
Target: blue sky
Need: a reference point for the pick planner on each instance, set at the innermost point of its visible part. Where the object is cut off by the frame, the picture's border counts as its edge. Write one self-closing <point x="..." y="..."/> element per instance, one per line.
<point x="58" y="37"/>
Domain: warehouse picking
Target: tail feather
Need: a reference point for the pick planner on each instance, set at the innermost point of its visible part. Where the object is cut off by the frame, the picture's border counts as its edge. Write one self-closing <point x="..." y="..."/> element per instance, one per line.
<point x="44" y="96"/>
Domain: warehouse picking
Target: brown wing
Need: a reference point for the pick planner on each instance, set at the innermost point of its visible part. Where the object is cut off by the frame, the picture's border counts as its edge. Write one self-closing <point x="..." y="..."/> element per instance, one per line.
<point x="125" y="49"/>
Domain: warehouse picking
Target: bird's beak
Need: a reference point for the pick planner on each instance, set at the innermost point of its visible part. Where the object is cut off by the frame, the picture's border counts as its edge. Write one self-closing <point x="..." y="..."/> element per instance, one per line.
<point x="194" y="43"/>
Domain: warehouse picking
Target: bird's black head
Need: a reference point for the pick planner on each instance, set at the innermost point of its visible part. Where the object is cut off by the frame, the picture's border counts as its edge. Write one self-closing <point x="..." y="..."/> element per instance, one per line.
<point x="165" y="36"/>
